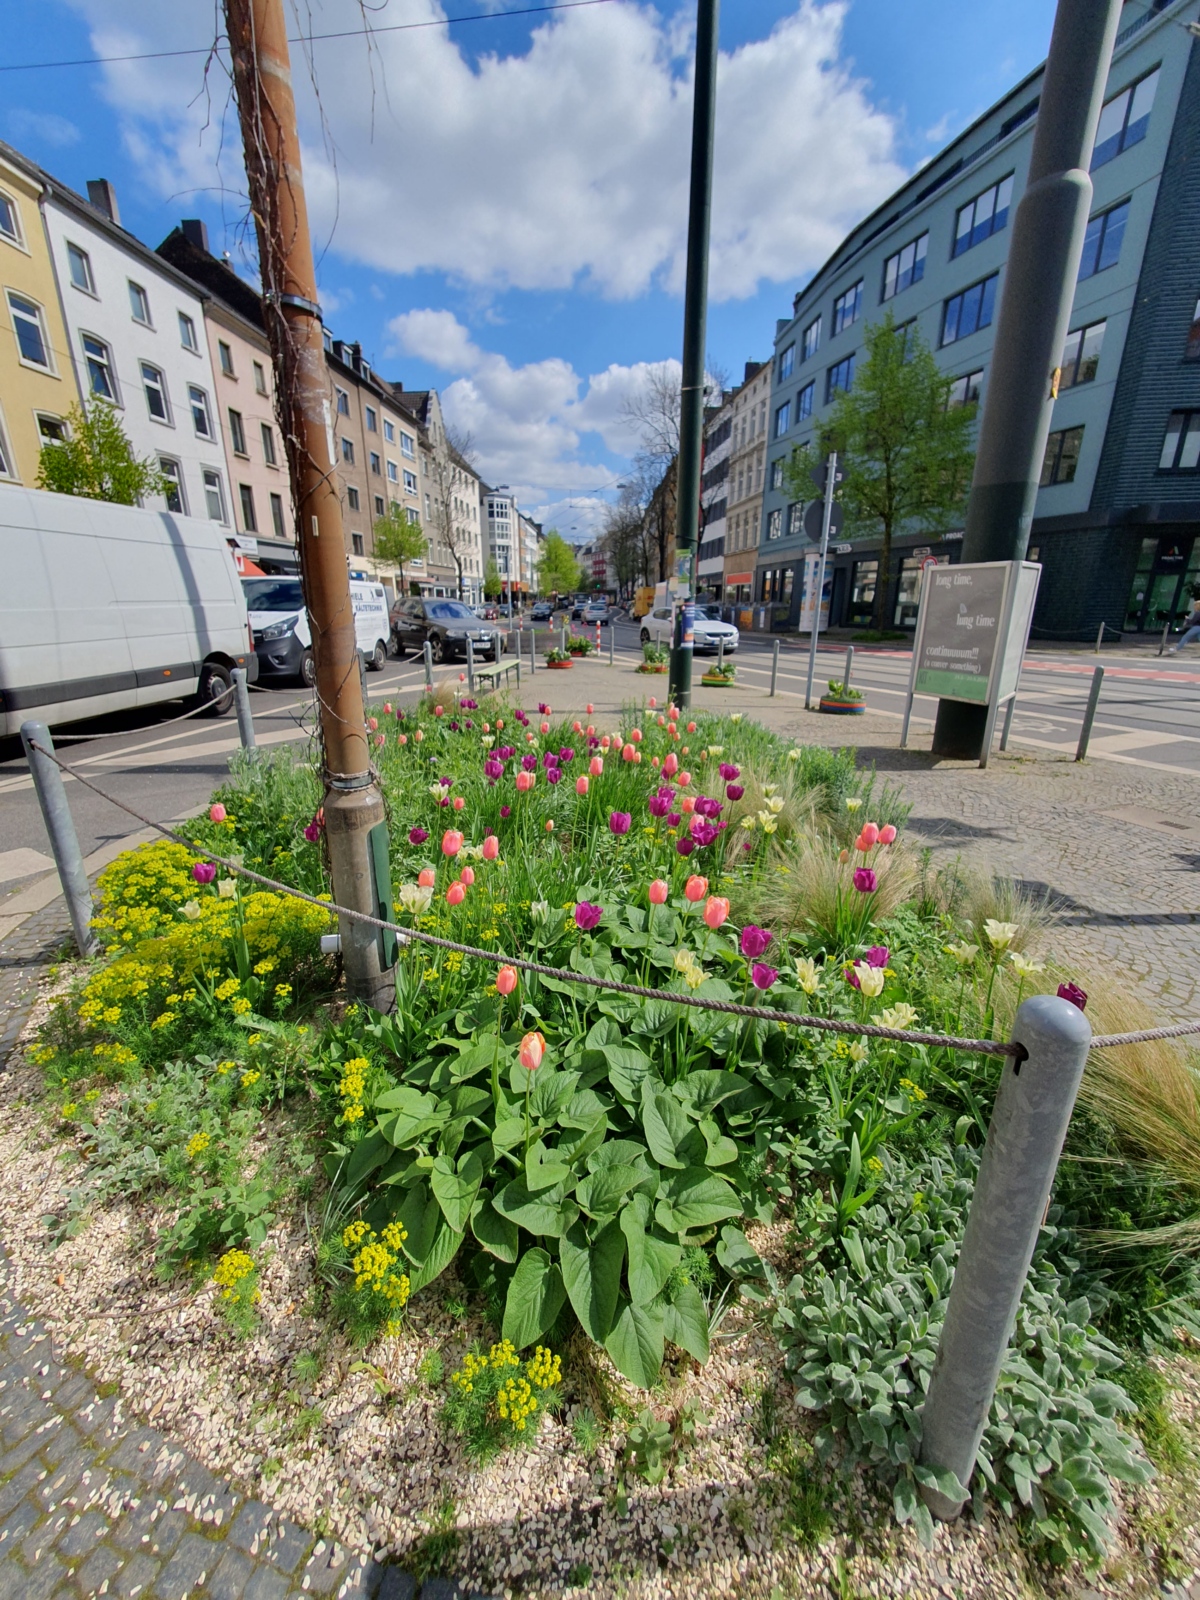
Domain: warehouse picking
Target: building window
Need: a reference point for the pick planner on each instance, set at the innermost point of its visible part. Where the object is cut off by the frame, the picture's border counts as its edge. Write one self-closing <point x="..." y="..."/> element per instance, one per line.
<point x="356" y="544"/>
<point x="155" y="387"/>
<point x="406" y="446"/>
<point x="777" y="474"/>
<point x="1124" y="119"/>
<point x="260" y="377"/>
<point x="964" y="391"/>
<point x="277" y="516"/>
<point x="389" y="431"/>
<point x="98" y="360"/>
<point x="10" y="220"/>
<point x="79" y="265"/>
<point x="393" y="472"/>
<point x="52" y="430"/>
<point x="343" y="403"/>
<point x="237" y="433"/>
<point x="783" y="418"/>
<point x="787" y="363"/>
<point x="201" y="420"/>
<point x="225" y="355"/>
<point x="1081" y="356"/>
<point x="30" y="329"/>
<point x="804" y="402"/>
<point x="905" y="268"/>
<point x="410" y="482"/>
<point x="1192" y="352"/>
<point x="187" y="332"/>
<point x="348" y="451"/>
<point x="840" y="376"/>
<point x="1181" y="445"/>
<point x="376" y="463"/>
<point x="268" y="443"/>
<point x="352" y="497"/>
<point x="846" y="307"/>
<point x="1061" y="458"/>
<point x="980" y="218"/>
<point x="249" y="520"/>
<point x="379" y="512"/>
<point x="172" y="472"/>
<point x="775" y="523"/>
<point x="795" y="519"/>
<point x="6" y="458"/>
<point x="414" y="516"/>
<point x="966" y="313"/>
<point x="811" y="341"/>
<point x="1102" y="242"/>
<point x="139" y="303"/>
<point x="372" y="420"/>
<point x="214" y="495"/>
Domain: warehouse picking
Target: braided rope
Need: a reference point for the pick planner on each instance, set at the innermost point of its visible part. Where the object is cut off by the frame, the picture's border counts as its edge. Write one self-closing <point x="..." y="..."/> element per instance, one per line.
<point x="802" y="1019"/>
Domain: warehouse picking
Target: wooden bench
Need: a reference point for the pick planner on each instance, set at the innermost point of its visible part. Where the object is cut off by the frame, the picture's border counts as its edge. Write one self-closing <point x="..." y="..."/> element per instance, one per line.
<point x="495" y="670"/>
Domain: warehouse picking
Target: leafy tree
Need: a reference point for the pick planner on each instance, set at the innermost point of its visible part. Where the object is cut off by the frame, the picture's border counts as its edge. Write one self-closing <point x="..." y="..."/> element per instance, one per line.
<point x="558" y="570"/>
<point x="905" y="454"/>
<point x="97" y="460"/>
<point x="493" y="583"/>
<point x="398" y="540"/>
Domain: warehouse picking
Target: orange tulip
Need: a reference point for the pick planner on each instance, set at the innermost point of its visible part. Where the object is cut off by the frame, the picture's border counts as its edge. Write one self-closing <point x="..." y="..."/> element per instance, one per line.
<point x="691" y="727"/>
<point x="456" y="894"/>
<point x="545" y="726"/>
<point x="684" y="778"/>
<point x="549" y="825"/>
<point x="695" y="888"/>
<point x="459" y="802"/>
<point x="531" y="1051"/>
<point x="715" y="911"/>
<point x="403" y="738"/>
<point x="506" y="980"/>
<point x="577" y="727"/>
<point x="687" y="804"/>
<point x="426" y="877"/>
<point x="524" y="782"/>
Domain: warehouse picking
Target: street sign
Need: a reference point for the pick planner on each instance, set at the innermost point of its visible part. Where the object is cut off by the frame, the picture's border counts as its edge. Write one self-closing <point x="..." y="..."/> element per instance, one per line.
<point x="928" y="561"/>
<point x="814" y="520"/>
<point x="818" y="474"/>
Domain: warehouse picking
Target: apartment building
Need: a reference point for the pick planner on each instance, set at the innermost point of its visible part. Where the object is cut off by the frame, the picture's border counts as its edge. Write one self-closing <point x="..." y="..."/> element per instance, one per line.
<point x="747" y="469"/>
<point x="714" y="485"/>
<point x="503" y="535"/>
<point x="1117" y="517"/>
<point x="451" y="503"/>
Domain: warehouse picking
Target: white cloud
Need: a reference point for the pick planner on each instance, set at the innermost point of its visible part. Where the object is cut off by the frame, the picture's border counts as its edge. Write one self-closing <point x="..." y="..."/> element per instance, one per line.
<point x="46" y="126"/>
<point x="566" y="165"/>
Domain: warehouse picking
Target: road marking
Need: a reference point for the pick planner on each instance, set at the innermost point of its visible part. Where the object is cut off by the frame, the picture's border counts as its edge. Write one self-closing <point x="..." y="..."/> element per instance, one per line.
<point x="22" y="863"/>
<point x="1135" y="740"/>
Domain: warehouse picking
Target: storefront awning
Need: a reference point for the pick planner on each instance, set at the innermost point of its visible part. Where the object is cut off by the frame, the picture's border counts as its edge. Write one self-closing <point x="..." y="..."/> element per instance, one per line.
<point x="739" y="577"/>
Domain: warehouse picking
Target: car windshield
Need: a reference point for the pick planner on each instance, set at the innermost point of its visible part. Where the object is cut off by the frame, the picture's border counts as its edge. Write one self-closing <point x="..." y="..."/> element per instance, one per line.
<point x="273" y="594"/>
<point x="445" y="609"/>
<point x="707" y="614"/>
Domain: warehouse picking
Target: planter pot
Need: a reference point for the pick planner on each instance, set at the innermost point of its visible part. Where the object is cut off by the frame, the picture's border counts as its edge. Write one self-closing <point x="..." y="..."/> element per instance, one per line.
<point x="842" y="708"/>
<point x="654" y="667"/>
<point x="715" y="681"/>
<point x="559" y="666"/>
<point x="579" y="655"/>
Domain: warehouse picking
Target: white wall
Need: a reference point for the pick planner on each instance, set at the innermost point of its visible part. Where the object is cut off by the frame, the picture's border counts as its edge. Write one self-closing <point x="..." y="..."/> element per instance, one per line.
<point x="108" y="315"/>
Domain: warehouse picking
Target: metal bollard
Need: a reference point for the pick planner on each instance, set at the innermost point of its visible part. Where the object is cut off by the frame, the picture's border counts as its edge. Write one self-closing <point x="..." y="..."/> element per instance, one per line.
<point x="428" y="654"/>
<point x="245" y="720"/>
<point x="532" y="649"/>
<point x="470" y="667"/>
<point x="496" y="648"/>
<point x="1162" y="643"/>
<point x="563" y="644"/>
<point x="1089" y="715"/>
<point x="1100" y="639"/>
<point x="846" y="673"/>
<point x="720" y="652"/>
<point x="1008" y="717"/>
<point x="1025" y="1139"/>
<point x="60" y="828"/>
<point x="612" y="628"/>
<point x="774" y="665"/>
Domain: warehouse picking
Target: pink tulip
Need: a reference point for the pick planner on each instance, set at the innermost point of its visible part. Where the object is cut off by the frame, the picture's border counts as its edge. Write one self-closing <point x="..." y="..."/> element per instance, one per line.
<point x="403" y="738"/>
<point x="670" y="764"/>
<point x="695" y="888"/>
<point x="581" y="785"/>
<point x="887" y="834"/>
<point x="372" y="723"/>
<point x="691" y="727"/>
<point x="653" y="761"/>
<point x="636" y="735"/>
<point x="491" y="847"/>
<point x="658" y="891"/>
<point x="531" y="1051"/>
<point x="459" y="802"/>
<point x="545" y="726"/>
<point x="596" y="766"/>
<point x="577" y="727"/>
<point x="862" y="843"/>
<point x="636" y="758"/>
<point x="870" y="832"/>
<point x="217" y="813"/>
<point x="653" y="702"/>
<point x="605" y="742"/>
<point x="715" y="911"/>
<point x="439" y="711"/>
<point x="589" y="709"/>
<point x="549" y="825"/>
<point x="524" y="782"/>
<point x="426" y="877"/>
<point x="673" y="713"/>
<point x="387" y="708"/>
<point x="452" y="842"/>
<point x="628" y="753"/>
<point x="506" y="980"/>
<point x="684" y="777"/>
<point x="467" y="876"/>
<point x="456" y="894"/>
<point x="418" y="736"/>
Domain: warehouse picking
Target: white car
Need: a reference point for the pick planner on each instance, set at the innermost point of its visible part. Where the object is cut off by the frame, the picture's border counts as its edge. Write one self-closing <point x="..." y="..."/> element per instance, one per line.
<point x="708" y="634"/>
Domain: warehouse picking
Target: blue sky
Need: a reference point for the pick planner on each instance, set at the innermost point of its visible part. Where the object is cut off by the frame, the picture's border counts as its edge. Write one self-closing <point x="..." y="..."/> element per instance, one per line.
<point x="501" y="205"/>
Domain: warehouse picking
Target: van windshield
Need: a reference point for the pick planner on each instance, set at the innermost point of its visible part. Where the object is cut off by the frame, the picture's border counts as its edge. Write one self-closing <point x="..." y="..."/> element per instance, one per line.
<point x="273" y="594"/>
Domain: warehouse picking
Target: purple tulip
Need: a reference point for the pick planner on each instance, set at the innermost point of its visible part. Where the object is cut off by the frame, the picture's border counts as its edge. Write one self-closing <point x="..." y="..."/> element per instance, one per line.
<point x="674" y="820"/>
<point x="666" y="791"/>
<point x="566" y="754"/>
<point x="754" y="941"/>
<point x="453" y="727"/>
<point x="1073" y="993"/>
<point x="877" y="956"/>
<point x="707" y="807"/>
<point x="659" y="805"/>
<point x="543" y="710"/>
<point x="619" y="822"/>
<point x="587" y="915"/>
<point x="446" y="783"/>
<point x="865" y="880"/>
<point x="506" y="811"/>
<point x="549" y="759"/>
<point x="313" y="832"/>
<point x="704" y="833"/>
<point x="553" y="774"/>
<point x="529" y="762"/>
<point x="468" y="723"/>
<point x="734" y="791"/>
<point x="493" y="769"/>
<point x="728" y="771"/>
<point x="593" y="741"/>
<point x="417" y="835"/>
<point x="205" y="872"/>
<point x="851" y="977"/>
<point x="685" y="846"/>
<point x="445" y="800"/>
<point x="762" y="976"/>
<point x="469" y="705"/>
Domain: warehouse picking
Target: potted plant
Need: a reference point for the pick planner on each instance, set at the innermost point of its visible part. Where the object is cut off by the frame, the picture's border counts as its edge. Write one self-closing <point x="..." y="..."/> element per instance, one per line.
<point x="719" y="673"/>
<point x="654" y="658"/>
<point x="558" y="660"/>
<point x="842" y="702"/>
<point x="577" y="645"/>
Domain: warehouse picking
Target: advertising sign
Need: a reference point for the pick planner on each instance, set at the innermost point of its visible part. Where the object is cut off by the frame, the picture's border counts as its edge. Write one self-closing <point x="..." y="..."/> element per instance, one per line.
<point x="959" y="630"/>
<point x="808" y="590"/>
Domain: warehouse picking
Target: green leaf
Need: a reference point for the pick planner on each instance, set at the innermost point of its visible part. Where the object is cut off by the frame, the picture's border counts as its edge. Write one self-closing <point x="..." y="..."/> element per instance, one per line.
<point x="421" y="1215"/>
<point x="656" y="1017"/>
<point x="498" y="1235"/>
<point x="535" y="1297"/>
<point x="367" y="1154"/>
<point x="635" y="1343"/>
<point x="602" y="1192"/>
<point x="538" y="1214"/>
<point x="543" y="1169"/>
<point x="667" y="1127"/>
<point x="414" y="1114"/>
<point x="627" y="1070"/>
<point x="651" y="1260"/>
<point x="685" y="1321"/>
<point x="904" y="1499"/>
<point x="441" y="1254"/>
<point x="704" y="1090"/>
<point x="576" y="1150"/>
<point x="551" y="1092"/>
<point x="603" y="1033"/>
<point x="474" y="1059"/>
<point x="721" y="1150"/>
<point x="852" y="1245"/>
<point x="592" y="1274"/>
<point x="470" y="1102"/>
<point x="736" y="1256"/>
<point x="694" y="1199"/>
<point x="455" y="1190"/>
<point x="509" y="1132"/>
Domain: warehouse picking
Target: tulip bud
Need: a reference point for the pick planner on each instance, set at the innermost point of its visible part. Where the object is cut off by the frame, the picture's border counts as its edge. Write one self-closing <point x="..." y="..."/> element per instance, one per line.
<point x="549" y="825"/>
<point x="691" y="727"/>
<point x="372" y="723"/>
<point x="581" y="785"/>
<point x="531" y="1051"/>
<point x="439" y="711"/>
<point x="589" y="709"/>
<point x="467" y="876"/>
<point x="636" y="735"/>
<point x="715" y="911"/>
<point x="577" y="727"/>
<point x="545" y="727"/>
<point x="670" y="764"/>
<point x="426" y="877"/>
<point x="452" y="842"/>
<point x="596" y="766"/>
<point x="491" y="847"/>
<point x="687" y="804"/>
<point x="418" y="736"/>
<point x="403" y="738"/>
<point x="684" y="778"/>
<point x="653" y="702"/>
<point x="459" y="802"/>
<point x="455" y="894"/>
<point x="870" y="832"/>
<point x="695" y="888"/>
<point x="506" y="980"/>
<point x="217" y="813"/>
<point x="658" y="892"/>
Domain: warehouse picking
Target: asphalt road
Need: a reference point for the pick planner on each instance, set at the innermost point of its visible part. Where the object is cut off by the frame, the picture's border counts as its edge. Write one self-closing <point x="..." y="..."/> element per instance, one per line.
<point x="1149" y="716"/>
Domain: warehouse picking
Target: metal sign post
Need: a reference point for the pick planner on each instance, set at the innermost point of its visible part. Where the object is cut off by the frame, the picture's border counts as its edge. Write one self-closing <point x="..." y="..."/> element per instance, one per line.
<point x="831" y="480"/>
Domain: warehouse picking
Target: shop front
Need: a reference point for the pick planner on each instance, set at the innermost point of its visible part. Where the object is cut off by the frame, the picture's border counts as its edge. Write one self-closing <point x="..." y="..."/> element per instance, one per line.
<point x="1166" y="579"/>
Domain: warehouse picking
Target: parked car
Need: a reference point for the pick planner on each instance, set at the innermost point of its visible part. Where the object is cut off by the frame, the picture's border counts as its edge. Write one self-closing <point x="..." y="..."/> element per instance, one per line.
<point x="281" y="632"/>
<point x="597" y="611"/>
<point x="542" y="611"/>
<point x="489" y="611"/>
<point x="446" y="624"/>
<point x="108" y="607"/>
<point x="576" y="606"/>
<point x="707" y="634"/>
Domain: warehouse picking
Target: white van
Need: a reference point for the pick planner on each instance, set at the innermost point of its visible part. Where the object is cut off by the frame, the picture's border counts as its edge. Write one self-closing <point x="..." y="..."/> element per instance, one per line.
<point x="105" y="607"/>
<point x="280" y="626"/>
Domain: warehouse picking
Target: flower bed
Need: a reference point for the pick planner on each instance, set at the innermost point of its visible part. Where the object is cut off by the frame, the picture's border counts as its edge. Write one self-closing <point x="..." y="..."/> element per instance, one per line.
<point x="546" y="1224"/>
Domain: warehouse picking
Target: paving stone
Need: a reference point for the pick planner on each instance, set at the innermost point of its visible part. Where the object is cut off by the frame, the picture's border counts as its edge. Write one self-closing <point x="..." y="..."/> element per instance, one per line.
<point x="267" y="1584"/>
<point x="63" y="1443"/>
<point x="365" y="1580"/>
<point x="249" y="1524"/>
<point x="19" y="1523"/>
<point x="397" y="1585"/>
<point x="441" y="1589"/>
<point x="289" y="1544"/>
<point x="23" y="1482"/>
<point x="130" y="1456"/>
<point x="136" y="1579"/>
<point x="19" y="1454"/>
<point x="189" y="1567"/>
<point x="103" y="1563"/>
<point x="230" y="1576"/>
<point x="79" y="1538"/>
<point x="45" y="1581"/>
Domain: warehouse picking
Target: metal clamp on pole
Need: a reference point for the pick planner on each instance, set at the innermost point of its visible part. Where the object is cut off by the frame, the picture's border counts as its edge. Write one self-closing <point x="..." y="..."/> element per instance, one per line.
<point x="245" y="720"/>
<point x="60" y="828"/>
<point x="1025" y="1139"/>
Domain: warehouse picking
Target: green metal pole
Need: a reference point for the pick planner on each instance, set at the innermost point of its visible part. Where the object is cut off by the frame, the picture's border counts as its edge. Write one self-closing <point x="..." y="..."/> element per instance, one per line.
<point x="695" y="305"/>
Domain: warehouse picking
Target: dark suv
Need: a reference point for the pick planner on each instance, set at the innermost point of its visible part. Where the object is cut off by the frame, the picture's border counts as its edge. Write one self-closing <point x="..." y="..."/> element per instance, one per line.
<point x="446" y="624"/>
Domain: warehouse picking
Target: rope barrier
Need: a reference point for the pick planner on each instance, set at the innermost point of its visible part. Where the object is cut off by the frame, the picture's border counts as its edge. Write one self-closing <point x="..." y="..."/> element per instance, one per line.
<point x="802" y="1019"/>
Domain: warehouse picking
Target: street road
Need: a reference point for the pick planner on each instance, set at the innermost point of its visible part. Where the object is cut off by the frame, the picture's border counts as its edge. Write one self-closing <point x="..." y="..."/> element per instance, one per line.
<point x="1149" y="716"/>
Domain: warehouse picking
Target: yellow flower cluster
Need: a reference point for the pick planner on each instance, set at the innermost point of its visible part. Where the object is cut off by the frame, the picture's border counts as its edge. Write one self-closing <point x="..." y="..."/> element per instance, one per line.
<point x="227" y="990"/>
<point x="233" y="1267"/>
<point x="119" y="1055"/>
<point x="263" y="967"/>
<point x="249" y="1079"/>
<point x="913" y="1090"/>
<point x="376" y="1257"/>
<point x="544" y="1369"/>
<point x="140" y="891"/>
<point x="225" y="1066"/>
<point x="197" y="1145"/>
<point x="353" y="1087"/>
<point x="515" y="1402"/>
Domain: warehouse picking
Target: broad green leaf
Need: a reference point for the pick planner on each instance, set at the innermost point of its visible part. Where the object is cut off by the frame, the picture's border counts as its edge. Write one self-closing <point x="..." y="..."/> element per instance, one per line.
<point x="455" y="1188"/>
<point x="367" y="1154"/>
<point x="651" y="1260"/>
<point x="592" y="1274"/>
<point x="853" y="1246"/>
<point x="602" y="1034"/>
<point x="535" y="1297"/>
<point x="685" y="1321"/>
<point x="413" y="1116"/>
<point x="616" y="1153"/>
<point x="543" y="1169"/>
<point x="498" y="1235"/>
<point x="720" y="1149"/>
<point x="602" y="1192"/>
<point x="667" y="1127"/>
<point x="577" y="1149"/>
<point x="474" y="1059"/>
<point x="406" y="1098"/>
<point x="635" y="1343"/>
<point x="510" y="1132"/>
<point x="441" y="1254"/>
<point x="703" y="1090"/>
<point x="627" y="1070"/>
<point x="656" y="1017"/>
<point x="551" y="1092"/>
<point x="582" y="1109"/>
<point x="736" y="1256"/>
<point x="467" y="1101"/>
<point x="421" y="1215"/>
<point x="541" y="1213"/>
<point x="694" y="1199"/>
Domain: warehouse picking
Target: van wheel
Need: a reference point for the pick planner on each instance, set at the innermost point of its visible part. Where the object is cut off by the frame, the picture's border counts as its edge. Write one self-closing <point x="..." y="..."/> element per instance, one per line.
<point x="645" y="635"/>
<point x="308" y="670"/>
<point x="215" y="690"/>
<point x="378" y="659"/>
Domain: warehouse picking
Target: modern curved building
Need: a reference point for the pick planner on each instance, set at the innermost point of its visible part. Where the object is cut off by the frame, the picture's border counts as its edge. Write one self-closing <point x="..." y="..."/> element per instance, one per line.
<point x="1117" y="521"/>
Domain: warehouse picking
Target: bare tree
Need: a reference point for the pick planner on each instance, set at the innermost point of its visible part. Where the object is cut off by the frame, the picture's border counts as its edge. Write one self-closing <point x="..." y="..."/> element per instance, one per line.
<point x="622" y="538"/>
<point x="454" y="483"/>
<point x="652" y="411"/>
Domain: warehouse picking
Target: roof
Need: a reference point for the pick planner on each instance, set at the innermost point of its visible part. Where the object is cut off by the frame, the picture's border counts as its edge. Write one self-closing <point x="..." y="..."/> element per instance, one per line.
<point x="216" y="276"/>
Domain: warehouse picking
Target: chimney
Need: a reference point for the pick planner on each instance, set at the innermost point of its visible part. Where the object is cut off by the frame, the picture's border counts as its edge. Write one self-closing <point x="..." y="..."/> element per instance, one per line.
<point x="195" y="232"/>
<point x="104" y="197"/>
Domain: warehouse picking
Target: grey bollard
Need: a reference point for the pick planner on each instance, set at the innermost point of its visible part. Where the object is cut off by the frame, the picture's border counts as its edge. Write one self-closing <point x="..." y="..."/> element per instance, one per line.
<point x="1008" y="720"/>
<point x="720" y="652"/>
<point x="60" y="828"/>
<point x="532" y="649"/>
<point x="1099" y="639"/>
<point x="470" y="667"/>
<point x="1089" y="715"/>
<point x="774" y="665"/>
<point x="241" y="701"/>
<point x="1025" y="1139"/>
<point x="612" y="629"/>
<point x="563" y="644"/>
<point x="846" y="671"/>
<point x="427" y="652"/>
